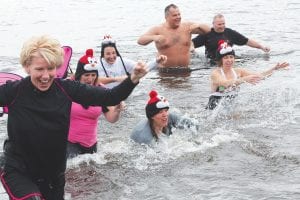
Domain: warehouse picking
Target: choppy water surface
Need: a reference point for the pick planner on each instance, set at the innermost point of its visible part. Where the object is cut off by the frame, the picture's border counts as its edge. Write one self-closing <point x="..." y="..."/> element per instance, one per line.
<point x="249" y="151"/>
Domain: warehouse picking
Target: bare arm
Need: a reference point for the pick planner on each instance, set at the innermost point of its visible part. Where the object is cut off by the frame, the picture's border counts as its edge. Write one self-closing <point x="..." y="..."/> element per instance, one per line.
<point x="139" y="71"/>
<point x="278" y="66"/>
<point x="106" y="80"/>
<point x="113" y="113"/>
<point x="199" y="28"/>
<point x="254" y="77"/>
<point x="245" y="76"/>
<point x="159" y="60"/>
<point x="254" y="44"/>
<point x="151" y="36"/>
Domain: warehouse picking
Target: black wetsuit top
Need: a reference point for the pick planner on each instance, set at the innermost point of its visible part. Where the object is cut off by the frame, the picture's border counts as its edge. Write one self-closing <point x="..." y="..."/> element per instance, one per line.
<point x="38" y="122"/>
<point x="211" y="39"/>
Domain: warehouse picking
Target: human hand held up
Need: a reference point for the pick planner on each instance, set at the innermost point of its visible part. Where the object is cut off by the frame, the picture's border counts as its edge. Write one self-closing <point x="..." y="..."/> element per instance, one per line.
<point x="120" y="107"/>
<point x="283" y="65"/>
<point x="107" y="36"/>
<point x="139" y="71"/>
<point x="265" y="49"/>
<point x="161" y="59"/>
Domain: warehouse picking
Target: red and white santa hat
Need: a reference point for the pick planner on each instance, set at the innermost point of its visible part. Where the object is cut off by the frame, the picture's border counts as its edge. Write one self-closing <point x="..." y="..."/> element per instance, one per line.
<point x="155" y="104"/>
<point x="224" y="48"/>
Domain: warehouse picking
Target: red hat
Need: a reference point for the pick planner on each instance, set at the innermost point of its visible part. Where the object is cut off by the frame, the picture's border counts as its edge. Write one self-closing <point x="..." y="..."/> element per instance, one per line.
<point x="155" y="104"/>
<point x="86" y="64"/>
<point x="224" y="48"/>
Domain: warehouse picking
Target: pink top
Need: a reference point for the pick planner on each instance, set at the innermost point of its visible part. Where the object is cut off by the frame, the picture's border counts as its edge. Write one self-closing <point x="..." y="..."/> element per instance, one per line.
<point x="83" y="124"/>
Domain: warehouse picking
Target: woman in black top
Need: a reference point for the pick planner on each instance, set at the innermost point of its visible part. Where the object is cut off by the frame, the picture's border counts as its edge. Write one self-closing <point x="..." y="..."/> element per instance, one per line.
<point x="38" y="120"/>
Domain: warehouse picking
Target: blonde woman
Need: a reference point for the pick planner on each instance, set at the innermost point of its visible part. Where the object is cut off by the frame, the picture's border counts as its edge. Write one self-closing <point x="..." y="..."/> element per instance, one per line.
<point x="38" y="120"/>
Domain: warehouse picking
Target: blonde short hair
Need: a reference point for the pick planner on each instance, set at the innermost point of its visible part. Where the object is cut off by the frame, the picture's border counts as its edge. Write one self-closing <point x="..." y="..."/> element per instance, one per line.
<point x="44" y="46"/>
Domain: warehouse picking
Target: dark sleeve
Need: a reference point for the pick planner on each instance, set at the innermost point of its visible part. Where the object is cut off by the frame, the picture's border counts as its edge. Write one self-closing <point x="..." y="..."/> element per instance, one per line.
<point x="236" y="37"/>
<point x="97" y="96"/>
<point x="8" y="92"/>
<point x="199" y="41"/>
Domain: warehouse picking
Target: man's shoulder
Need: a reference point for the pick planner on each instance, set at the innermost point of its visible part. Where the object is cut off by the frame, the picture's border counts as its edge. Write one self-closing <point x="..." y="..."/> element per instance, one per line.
<point x="158" y="28"/>
<point x="236" y="36"/>
<point x="229" y="30"/>
<point x="187" y="24"/>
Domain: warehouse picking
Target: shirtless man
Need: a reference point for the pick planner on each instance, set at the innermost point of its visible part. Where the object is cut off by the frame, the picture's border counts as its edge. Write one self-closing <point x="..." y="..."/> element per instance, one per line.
<point x="173" y="38"/>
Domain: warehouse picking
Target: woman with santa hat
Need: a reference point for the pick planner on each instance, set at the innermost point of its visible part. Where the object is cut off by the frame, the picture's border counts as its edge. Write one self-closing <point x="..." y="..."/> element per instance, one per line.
<point x="159" y="121"/>
<point x="82" y="136"/>
<point x="226" y="78"/>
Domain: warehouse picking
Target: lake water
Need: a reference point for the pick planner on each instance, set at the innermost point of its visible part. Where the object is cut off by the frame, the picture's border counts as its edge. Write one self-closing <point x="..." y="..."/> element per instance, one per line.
<point x="251" y="151"/>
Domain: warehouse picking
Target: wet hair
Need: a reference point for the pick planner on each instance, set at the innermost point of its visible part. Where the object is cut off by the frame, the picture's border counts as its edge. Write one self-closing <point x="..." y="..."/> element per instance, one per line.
<point x="42" y="46"/>
<point x="168" y="7"/>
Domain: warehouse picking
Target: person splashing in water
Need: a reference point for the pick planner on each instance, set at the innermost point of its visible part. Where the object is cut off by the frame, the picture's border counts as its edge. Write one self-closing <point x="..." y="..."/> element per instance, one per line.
<point x="226" y="78"/>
